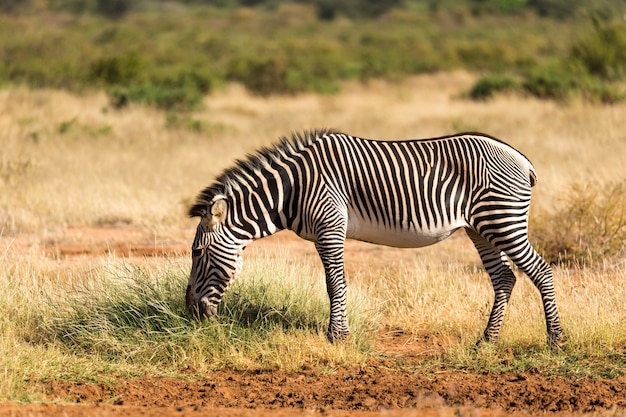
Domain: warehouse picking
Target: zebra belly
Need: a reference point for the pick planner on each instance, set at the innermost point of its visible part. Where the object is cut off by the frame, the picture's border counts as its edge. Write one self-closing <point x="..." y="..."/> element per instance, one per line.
<point x="400" y="236"/>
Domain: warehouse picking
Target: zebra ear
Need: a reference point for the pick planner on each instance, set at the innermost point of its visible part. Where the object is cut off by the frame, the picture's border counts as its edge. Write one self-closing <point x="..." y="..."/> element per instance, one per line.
<point x="218" y="212"/>
<point x="197" y="210"/>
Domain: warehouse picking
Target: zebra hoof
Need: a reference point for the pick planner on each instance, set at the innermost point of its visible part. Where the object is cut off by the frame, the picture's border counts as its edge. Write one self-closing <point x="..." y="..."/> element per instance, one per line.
<point x="488" y="338"/>
<point x="335" y="336"/>
<point x="484" y="341"/>
<point x="558" y="342"/>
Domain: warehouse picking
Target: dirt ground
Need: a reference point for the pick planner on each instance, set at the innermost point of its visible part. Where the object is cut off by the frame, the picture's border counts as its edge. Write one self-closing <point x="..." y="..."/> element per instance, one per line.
<point x="377" y="389"/>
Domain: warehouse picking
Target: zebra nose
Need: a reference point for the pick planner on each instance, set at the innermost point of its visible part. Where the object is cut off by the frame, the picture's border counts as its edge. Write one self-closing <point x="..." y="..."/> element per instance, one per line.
<point x="207" y="309"/>
<point x="202" y="309"/>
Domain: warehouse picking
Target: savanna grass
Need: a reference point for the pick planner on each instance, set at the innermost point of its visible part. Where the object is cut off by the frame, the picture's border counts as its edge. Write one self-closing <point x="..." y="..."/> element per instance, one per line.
<point x="79" y="319"/>
<point x="131" y="319"/>
<point x="590" y="307"/>
<point x="121" y="318"/>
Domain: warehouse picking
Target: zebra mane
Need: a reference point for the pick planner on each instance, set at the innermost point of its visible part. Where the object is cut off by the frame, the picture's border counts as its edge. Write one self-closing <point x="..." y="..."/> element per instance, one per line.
<point x="252" y="164"/>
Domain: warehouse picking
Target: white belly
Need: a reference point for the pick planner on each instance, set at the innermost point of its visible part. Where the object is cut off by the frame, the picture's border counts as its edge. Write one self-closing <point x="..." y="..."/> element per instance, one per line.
<point x="407" y="236"/>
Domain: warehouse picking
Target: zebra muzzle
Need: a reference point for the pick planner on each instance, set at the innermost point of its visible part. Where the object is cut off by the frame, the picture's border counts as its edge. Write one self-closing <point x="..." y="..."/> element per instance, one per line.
<point x="200" y="310"/>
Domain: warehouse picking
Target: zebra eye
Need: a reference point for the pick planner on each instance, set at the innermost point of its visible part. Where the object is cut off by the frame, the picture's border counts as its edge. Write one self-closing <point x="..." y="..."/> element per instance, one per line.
<point x="196" y="252"/>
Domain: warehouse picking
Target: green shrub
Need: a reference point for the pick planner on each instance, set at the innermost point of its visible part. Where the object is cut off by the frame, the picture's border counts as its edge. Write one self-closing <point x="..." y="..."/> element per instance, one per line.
<point x="292" y="67"/>
<point x="602" y="51"/>
<point x="487" y="86"/>
<point x="549" y="83"/>
<point x="485" y="55"/>
<point x="12" y="6"/>
<point x="601" y="91"/>
<point x="329" y="9"/>
<point x="480" y="7"/>
<point x="153" y="56"/>
<point x="560" y="9"/>
<point x="116" y="70"/>
<point x="592" y="68"/>
<point x="114" y="8"/>
<point x="589" y="227"/>
<point x="395" y="54"/>
<point x="162" y="97"/>
<point x="261" y="74"/>
<point x="177" y="91"/>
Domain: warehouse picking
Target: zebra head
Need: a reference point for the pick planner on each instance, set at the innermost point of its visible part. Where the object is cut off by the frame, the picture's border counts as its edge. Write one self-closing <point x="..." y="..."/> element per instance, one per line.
<point x="216" y="257"/>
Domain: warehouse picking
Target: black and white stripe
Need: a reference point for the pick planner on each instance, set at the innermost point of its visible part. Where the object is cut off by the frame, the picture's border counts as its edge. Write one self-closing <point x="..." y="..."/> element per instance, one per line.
<point x="327" y="186"/>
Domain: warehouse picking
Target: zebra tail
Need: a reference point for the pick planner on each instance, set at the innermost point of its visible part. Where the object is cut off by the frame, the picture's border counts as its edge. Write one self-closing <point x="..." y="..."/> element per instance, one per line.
<point x="532" y="175"/>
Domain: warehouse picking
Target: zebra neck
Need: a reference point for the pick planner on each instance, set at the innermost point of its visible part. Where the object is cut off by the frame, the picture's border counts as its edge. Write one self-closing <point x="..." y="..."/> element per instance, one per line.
<point x="260" y="208"/>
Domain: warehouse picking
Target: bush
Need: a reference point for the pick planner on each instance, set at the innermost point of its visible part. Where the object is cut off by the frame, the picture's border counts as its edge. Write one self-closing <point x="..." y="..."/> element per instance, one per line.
<point x="289" y="50"/>
<point x="116" y="70"/>
<point x="178" y="91"/>
<point x="480" y="7"/>
<point x="292" y="67"/>
<point x="589" y="227"/>
<point x="549" y="83"/>
<point x="602" y="53"/>
<point x="485" y="55"/>
<point x="593" y="68"/>
<point x="487" y="86"/>
<point x="560" y="9"/>
<point x="261" y="74"/>
<point x="12" y="6"/>
<point x="595" y="90"/>
<point x="163" y="97"/>
<point x="114" y="8"/>
<point x="329" y="9"/>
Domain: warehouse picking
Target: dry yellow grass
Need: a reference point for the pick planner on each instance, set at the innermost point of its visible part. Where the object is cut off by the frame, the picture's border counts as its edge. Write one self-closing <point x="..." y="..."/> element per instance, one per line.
<point x="70" y="160"/>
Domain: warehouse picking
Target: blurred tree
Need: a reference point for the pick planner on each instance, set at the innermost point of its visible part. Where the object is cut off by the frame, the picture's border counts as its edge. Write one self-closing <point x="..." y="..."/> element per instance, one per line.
<point x="329" y="9"/>
<point x="497" y="6"/>
<point x="114" y="8"/>
<point x="12" y="6"/>
<point x="559" y="9"/>
<point x="602" y="51"/>
<point x="73" y="6"/>
<point x="117" y="70"/>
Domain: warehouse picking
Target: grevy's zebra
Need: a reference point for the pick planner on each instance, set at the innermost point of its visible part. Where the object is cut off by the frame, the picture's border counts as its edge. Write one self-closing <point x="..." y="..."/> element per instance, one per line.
<point x="327" y="186"/>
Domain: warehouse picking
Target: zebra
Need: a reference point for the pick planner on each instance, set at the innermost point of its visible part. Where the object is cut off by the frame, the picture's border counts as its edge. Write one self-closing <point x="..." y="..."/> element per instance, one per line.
<point x="328" y="186"/>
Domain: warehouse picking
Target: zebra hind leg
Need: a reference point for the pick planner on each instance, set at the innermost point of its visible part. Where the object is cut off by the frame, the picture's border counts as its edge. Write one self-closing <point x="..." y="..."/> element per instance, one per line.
<point x="502" y="279"/>
<point x="540" y="273"/>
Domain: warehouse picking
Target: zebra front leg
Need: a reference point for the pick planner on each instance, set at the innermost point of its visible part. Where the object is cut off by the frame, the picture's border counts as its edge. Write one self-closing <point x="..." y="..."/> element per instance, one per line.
<point x="502" y="278"/>
<point x="331" y="254"/>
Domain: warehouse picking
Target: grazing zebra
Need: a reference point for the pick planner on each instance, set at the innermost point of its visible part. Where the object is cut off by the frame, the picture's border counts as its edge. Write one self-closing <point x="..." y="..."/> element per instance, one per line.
<point x="327" y="186"/>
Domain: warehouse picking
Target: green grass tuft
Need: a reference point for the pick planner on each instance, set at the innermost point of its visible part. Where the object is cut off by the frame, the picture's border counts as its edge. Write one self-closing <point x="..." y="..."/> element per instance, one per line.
<point x="138" y="318"/>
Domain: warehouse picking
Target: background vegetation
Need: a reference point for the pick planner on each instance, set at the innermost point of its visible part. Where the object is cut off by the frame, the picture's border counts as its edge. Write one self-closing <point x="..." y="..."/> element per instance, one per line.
<point x="170" y="54"/>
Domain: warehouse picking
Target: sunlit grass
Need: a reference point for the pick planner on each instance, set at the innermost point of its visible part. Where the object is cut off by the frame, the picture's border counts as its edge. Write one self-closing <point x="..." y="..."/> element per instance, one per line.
<point x="138" y="171"/>
<point x="116" y="317"/>
<point x="80" y="319"/>
<point x="122" y="319"/>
